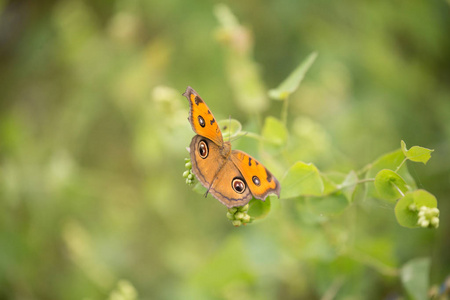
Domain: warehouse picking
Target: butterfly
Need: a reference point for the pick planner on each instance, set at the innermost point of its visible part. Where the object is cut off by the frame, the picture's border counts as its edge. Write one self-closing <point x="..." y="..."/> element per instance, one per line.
<point x="233" y="177"/>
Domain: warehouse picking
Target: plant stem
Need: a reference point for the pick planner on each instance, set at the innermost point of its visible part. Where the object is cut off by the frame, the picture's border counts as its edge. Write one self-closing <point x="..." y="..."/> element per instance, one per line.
<point x="284" y="112"/>
<point x="398" y="189"/>
<point x="258" y="137"/>
<point x="340" y="187"/>
<point x="398" y="168"/>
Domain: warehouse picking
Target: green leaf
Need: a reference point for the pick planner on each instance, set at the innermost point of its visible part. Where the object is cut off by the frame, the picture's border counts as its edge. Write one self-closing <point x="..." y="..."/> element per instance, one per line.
<point x="408" y="217"/>
<point x="300" y="180"/>
<point x="340" y="182"/>
<point x="291" y="83"/>
<point x="389" y="161"/>
<point x="403" y="147"/>
<point x="329" y="183"/>
<point x="388" y="183"/>
<point x="349" y="185"/>
<point x="415" y="278"/>
<point x="274" y="131"/>
<point x="416" y="153"/>
<point x="259" y="209"/>
<point x="328" y="205"/>
<point x="230" y="128"/>
<point x="199" y="188"/>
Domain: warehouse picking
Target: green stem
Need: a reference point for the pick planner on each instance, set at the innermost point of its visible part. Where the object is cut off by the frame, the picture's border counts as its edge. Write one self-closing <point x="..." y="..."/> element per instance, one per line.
<point x="365" y="169"/>
<point x="340" y="187"/>
<point x="398" y="168"/>
<point x="253" y="135"/>
<point x="398" y="189"/>
<point x="258" y="137"/>
<point x="284" y="112"/>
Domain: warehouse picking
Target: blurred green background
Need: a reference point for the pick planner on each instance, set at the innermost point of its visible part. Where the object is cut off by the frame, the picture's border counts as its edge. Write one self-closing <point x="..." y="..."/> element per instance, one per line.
<point x="93" y="131"/>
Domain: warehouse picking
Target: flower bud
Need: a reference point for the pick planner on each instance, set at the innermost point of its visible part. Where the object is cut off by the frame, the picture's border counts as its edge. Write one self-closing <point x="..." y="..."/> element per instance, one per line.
<point x="412" y="207"/>
<point x="425" y="223"/>
<point x="435" y="222"/>
<point x="246" y="218"/>
<point x="232" y="210"/>
<point x="243" y="208"/>
<point x="236" y="223"/>
<point x="239" y="215"/>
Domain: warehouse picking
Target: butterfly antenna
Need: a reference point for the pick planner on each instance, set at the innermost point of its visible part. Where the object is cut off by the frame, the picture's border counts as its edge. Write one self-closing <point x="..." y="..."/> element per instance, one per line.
<point x="239" y="136"/>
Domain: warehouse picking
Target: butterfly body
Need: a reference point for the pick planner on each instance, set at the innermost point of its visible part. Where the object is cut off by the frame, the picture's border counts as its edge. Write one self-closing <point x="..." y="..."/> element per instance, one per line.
<point x="231" y="176"/>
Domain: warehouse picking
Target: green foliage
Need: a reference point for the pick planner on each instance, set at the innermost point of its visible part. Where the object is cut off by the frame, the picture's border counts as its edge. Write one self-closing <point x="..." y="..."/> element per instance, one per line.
<point x="416" y="153"/>
<point x="414" y="275"/>
<point x="259" y="209"/>
<point x="230" y="128"/>
<point x="274" y="132"/>
<point x="332" y="194"/>
<point x="300" y="180"/>
<point x="348" y="186"/>
<point x="390" y="161"/>
<point x="408" y="209"/>
<point x="390" y="185"/>
<point x="93" y="132"/>
<point x="291" y="83"/>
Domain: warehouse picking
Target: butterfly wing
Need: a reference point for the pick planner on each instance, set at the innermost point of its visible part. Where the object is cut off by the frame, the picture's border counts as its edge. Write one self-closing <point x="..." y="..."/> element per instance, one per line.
<point x="230" y="187"/>
<point x="218" y="173"/>
<point x="201" y="118"/>
<point x="260" y="181"/>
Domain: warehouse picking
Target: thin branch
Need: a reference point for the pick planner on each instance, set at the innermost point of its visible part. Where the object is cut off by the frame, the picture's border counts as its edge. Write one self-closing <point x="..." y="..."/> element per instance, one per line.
<point x="284" y="112"/>
<point x="343" y="186"/>
<point x="398" y="189"/>
<point x="398" y="168"/>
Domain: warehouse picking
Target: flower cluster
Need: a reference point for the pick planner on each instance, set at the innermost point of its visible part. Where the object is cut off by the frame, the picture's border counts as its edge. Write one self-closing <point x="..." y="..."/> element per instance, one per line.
<point x="428" y="217"/>
<point x="190" y="178"/>
<point x="239" y="216"/>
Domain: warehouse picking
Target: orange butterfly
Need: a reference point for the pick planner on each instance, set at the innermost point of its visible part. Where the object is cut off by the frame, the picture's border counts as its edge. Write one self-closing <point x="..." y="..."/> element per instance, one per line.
<point x="233" y="177"/>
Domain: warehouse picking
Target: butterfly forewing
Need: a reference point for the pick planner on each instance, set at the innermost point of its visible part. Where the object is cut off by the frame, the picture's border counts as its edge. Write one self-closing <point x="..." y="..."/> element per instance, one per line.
<point x="201" y="118"/>
<point x="205" y="165"/>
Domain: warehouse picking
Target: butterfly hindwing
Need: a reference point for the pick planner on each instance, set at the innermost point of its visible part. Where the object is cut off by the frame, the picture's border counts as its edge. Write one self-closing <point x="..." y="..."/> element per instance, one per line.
<point x="230" y="186"/>
<point x="218" y="173"/>
<point x="260" y="181"/>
